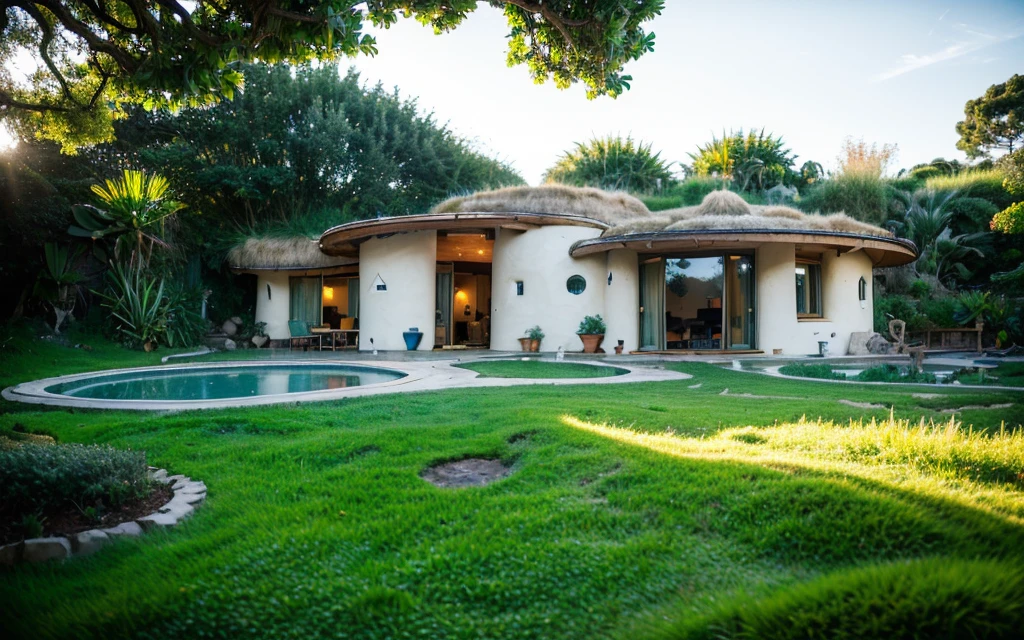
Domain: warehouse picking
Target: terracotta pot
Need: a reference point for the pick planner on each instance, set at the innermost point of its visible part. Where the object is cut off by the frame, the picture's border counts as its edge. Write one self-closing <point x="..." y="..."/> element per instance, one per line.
<point x="591" y="341"/>
<point x="534" y="345"/>
<point x="259" y="341"/>
<point x="524" y="343"/>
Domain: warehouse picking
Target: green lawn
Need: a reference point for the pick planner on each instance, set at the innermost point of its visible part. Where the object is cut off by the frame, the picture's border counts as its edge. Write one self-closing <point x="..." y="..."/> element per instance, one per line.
<point x="660" y="509"/>
<point x="1006" y="374"/>
<point x="540" y="369"/>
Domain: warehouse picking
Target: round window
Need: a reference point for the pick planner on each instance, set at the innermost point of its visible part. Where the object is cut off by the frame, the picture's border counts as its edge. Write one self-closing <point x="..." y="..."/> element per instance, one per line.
<point x="576" y="285"/>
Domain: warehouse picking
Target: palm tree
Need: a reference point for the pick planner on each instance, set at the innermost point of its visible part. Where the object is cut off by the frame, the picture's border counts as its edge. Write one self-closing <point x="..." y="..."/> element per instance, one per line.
<point x="926" y="222"/>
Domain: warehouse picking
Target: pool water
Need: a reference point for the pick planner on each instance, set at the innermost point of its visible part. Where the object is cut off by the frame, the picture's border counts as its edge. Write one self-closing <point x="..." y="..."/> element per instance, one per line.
<point x="219" y="383"/>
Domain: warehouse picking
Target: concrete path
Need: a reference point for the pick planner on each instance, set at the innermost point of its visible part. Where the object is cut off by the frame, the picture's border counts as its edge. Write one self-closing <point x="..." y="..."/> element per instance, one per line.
<point x="432" y="375"/>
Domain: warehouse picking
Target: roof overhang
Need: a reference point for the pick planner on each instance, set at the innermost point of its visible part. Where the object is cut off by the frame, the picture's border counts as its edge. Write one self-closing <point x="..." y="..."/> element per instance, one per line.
<point x="883" y="252"/>
<point x="344" y="240"/>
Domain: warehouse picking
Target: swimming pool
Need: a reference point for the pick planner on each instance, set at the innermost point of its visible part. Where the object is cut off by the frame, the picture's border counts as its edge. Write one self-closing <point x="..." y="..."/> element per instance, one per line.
<point x="224" y="384"/>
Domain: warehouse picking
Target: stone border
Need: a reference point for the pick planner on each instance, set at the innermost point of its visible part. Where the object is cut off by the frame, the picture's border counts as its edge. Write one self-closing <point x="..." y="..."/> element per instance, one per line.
<point x="188" y="494"/>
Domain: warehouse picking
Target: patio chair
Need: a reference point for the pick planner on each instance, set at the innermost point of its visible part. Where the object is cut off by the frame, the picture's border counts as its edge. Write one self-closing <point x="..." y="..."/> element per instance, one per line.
<point x="300" y="335"/>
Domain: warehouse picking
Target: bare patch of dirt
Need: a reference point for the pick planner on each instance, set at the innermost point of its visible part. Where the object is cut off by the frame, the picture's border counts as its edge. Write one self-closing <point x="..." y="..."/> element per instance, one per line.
<point x="928" y="396"/>
<point x="71" y="520"/>
<point x="972" y="407"/>
<point x="862" y="405"/>
<point x="725" y="392"/>
<point x="469" y="472"/>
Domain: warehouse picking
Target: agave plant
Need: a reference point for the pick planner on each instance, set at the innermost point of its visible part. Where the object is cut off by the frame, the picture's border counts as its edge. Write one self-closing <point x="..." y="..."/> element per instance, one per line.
<point x="136" y="302"/>
<point x="926" y="221"/>
<point x="132" y="212"/>
<point x="57" y="285"/>
<point x="756" y="160"/>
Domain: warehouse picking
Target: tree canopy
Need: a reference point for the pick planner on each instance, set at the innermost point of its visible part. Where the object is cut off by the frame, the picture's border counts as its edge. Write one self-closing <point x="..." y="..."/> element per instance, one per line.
<point x="97" y="55"/>
<point x="614" y="163"/>
<point x="993" y="121"/>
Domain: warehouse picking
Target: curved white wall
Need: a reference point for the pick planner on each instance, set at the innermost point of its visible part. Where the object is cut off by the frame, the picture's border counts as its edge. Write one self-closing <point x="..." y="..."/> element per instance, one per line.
<point x="622" y="301"/>
<point x="272" y="306"/>
<point x="778" y="327"/>
<point x="407" y="263"/>
<point x="540" y="259"/>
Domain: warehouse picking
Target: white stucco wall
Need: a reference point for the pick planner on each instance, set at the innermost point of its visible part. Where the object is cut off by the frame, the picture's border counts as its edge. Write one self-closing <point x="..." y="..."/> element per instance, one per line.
<point x="777" y="324"/>
<point x="273" y="308"/>
<point x="540" y="259"/>
<point x="622" y="300"/>
<point x="406" y="262"/>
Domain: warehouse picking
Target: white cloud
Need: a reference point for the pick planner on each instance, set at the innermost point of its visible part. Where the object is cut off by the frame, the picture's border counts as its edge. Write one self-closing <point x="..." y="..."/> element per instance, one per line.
<point x="912" y="62"/>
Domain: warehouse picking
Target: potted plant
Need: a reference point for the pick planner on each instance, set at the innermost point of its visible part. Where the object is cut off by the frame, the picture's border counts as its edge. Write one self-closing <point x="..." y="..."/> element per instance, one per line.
<point x="591" y="332"/>
<point x="534" y="335"/>
<point x="259" y="336"/>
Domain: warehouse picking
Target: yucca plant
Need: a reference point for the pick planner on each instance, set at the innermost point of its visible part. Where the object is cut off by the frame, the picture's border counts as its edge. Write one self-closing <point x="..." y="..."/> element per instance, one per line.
<point x="927" y="223"/>
<point x="136" y="302"/>
<point x="132" y="212"/>
<point x="755" y="160"/>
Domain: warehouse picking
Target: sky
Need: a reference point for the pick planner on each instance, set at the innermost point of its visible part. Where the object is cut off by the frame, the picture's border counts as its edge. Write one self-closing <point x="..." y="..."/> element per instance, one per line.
<point x="812" y="72"/>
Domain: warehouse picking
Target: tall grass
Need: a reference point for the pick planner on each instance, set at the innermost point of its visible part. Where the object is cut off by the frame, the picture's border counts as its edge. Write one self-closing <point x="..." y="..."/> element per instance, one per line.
<point x="986" y="184"/>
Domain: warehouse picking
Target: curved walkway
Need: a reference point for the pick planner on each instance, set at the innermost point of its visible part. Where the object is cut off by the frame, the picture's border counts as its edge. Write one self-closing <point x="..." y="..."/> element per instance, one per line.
<point x="420" y="376"/>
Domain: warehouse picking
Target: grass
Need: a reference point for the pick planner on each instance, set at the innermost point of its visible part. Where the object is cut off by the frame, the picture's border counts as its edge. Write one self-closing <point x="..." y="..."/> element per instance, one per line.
<point x="628" y="503"/>
<point x="1006" y="374"/>
<point x="540" y="369"/>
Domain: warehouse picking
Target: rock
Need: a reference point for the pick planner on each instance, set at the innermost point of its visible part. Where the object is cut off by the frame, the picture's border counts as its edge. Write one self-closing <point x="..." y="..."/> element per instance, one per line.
<point x="194" y="486"/>
<point x="177" y="508"/>
<point x="878" y="345"/>
<point x="864" y="343"/>
<point x="160" y="475"/>
<point x="89" y="542"/>
<point x="157" y="521"/>
<point x="229" y="327"/>
<point x="237" y="320"/>
<point x="181" y="481"/>
<point x="230" y="345"/>
<point x="175" y="478"/>
<point x="10" y="553"/>
<point x="190" y="498"/>
<point x="43" y="549"/>
<point x="128" y="529"/>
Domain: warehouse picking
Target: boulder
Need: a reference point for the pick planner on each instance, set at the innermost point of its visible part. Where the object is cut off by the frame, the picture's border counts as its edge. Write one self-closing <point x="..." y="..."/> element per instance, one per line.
<point x="230" y="345"/>
<point x="237" y="320"/>
<point x="43" y="549"/>
<point x="10" y="553"/>
<point x="863" y="343"/>
<point x="128" y="529"/>
<point x="88" y="542"/>
<point x="229" y="328"/>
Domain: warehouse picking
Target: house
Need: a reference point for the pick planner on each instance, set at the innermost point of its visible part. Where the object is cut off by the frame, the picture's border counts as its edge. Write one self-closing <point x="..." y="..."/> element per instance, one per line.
<point x="482" y="269"/>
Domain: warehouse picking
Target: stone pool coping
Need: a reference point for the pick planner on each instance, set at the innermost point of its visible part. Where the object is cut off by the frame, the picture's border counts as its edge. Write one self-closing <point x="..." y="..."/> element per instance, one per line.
<point x="188" y="494"/>
<point x="774" y="372"/>
<point x="432" y="375"/>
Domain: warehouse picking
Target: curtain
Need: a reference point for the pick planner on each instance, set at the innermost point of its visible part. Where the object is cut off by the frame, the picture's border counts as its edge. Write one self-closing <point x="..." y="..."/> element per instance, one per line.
<point x="444" y="304"/>
<point x="652" y="299"/>
<point x="304" y="299"/>
<point x="353" y="297"/>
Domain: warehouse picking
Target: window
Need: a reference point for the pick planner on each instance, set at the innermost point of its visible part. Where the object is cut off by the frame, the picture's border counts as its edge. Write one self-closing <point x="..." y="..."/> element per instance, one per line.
<point x="808" y="289"/>
<point x="519" y="287"/>
<point x="576" y="285"/>
<point x="862" y="290"/>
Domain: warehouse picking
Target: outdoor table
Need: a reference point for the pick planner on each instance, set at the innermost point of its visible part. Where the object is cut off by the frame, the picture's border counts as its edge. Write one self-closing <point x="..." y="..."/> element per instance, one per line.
<point x="333" y="334"/>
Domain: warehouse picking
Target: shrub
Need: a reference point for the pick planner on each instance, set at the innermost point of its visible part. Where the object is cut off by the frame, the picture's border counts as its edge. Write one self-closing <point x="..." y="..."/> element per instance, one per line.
<point x="920" y="289"/>
<point x="820" y="371"/>
<point x="986" y="184"/>
<point x="41" y="479"/>
<point x="939" y="313"/>
<point x="900" y="307"/>
<point x="892" y="373"/>
<point x="613" y="163"/>
<point x="592" y="325"/>
<point x="1010" y="220"/>
<point x="860" y="195"/>
<point x="970" y="215"/>
<point x="935" y="598"/>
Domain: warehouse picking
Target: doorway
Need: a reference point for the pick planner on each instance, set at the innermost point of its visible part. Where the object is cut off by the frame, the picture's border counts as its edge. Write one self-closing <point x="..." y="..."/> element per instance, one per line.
<point x="462" y="311"/>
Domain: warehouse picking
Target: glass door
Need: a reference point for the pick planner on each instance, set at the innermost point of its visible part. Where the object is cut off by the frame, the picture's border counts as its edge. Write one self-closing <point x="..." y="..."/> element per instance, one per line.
<point x="739" y="307"/>
<point x="443" y="307"/>
<point x="652" y="305"/>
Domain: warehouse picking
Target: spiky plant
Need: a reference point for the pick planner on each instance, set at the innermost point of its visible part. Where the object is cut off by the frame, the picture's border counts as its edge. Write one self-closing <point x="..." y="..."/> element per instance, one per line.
<point x="613" y="163"/>
<point x="755" y="160"/>
<point x="132" y="212"/>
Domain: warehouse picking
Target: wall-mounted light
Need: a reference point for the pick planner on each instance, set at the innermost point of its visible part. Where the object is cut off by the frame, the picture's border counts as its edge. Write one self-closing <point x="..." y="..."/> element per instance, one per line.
<point x="519" y="287"/>
<point x="328" y="294"/>
<point x="862" y="292"/>
<point x="609" y="278"/>
<point x="268" y="291"/>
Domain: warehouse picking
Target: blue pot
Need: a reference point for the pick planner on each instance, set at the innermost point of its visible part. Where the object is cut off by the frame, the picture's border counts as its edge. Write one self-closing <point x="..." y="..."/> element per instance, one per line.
<point x="412" y="339"/>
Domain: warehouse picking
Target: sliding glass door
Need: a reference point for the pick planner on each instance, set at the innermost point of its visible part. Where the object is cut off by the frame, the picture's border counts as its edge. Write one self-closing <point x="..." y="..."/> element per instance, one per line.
<point x="739" y="307"/>
<point x="652" y="305"/>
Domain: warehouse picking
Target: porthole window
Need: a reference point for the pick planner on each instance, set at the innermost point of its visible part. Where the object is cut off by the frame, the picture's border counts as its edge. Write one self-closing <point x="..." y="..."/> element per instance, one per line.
<point x="576" y="285"/>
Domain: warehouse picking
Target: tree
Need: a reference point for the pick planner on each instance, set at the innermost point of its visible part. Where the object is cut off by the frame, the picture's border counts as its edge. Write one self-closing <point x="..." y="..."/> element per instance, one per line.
<point x="97" y="55"/>
<point x="302" y="152"/>
<point x="755" y="160"/>
<point x="993" y="121"/>
<point x="614" y="163"/>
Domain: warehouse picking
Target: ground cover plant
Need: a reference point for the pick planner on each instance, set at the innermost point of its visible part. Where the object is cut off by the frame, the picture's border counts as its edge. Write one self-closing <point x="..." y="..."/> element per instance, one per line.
<point x="540" y="369"/>
<point x="1009" y="374"/>
<point x="893" y="373"/>
<point x="624" y="502"/>
<point x="821" y="371"/>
